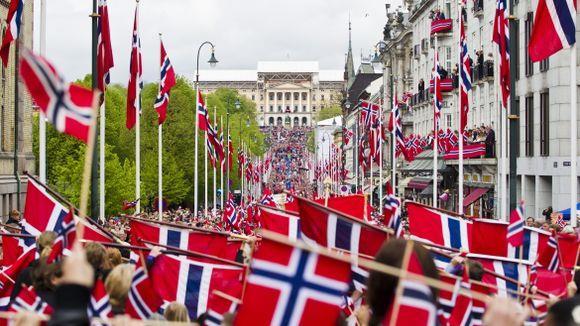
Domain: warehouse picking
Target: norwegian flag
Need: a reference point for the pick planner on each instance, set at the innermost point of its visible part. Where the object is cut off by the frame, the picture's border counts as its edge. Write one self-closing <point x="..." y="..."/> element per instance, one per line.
<point x="213" y="141"/>
<point x="166" y="82"/>
<point x="281" y="222"/>
<point x="104" y="50"/>
<point x="65" y="239"/>
<point x="14" y="19"/>
<point x="554" y="28"/>
<point x="210" y="243"/>
<point x="417" y="304"/>
<point x="12" y="248"/>
<point x="515" y="234"/>
<point x="202" y="114"/>
<point x="465" y="77"/>
<point x="560" y="221"/>
<point x="501" y="38"/>
<point x="10" y="273"/>
<point x="355" y="205"/>
<point x="68" y="107"/>
<point x="230" y="153"/>
<point x="368" y="113"/>
<point x="348" y="134"/>
<point x="127" y="205"/>
<point x="293" y="286"/>
<point x="142" y="300"/>
<point x="224" y="305"/>
<point x="28" y="300"/>
<point x="332" y="229"/>
<point x="267" y="198"/>
<point x="437" y="95"/>
<point x="232" y="215"/>
<point x="190" y="282"/>
<point x="434" y="226"/>
<point x="99" y="306"/>
<point x="509" y="268"/>
<point x="136" y="71"/>
<point x="550" y="256"/>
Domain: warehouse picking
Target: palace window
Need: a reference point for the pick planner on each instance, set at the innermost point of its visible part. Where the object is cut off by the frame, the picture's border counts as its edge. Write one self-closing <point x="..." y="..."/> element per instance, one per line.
<point x="545" y="123"/>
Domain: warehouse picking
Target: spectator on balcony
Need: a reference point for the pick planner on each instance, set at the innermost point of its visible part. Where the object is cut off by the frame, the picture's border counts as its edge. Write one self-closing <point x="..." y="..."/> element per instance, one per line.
<point x="490" y="143"/>
<point x="455" y="76"/>
<point x="464" y="14"/>
<point x="489" y="65"/>
<point x="421" y="88"/>
<point x="480" y="63"/>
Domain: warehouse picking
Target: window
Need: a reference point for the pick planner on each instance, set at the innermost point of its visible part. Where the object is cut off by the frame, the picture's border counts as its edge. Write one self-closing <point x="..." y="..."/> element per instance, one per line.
<point x="253" y="97"/>
<point x="271" y="121"/>
<point x="313" y="97"/>
<point x="518" y="122"/>
<point x="287" y="96"/>
<point x="261" y="97"/>
<point x="322" y="97"/>
<point x="304" y="108"/>
<point x="271" y="108"/>
<point x="331" y="97"/>
<point x="271" y="96"/>
<point x="279" y="108"/>
<point x="295" y="108"/>
<point x="304" y="96"/>
<point x="261" y="108"/>
<point x="279" y="96"/>
<point x="448" y="120"/>
<point x="529" y="137"/>
<point x="545" y="65"/>
<point x="448" y="59"/>
<point x="529" y="63"/>
<point x="545" y="124"/>
<point x="314" y="108"/>
<point x="296" y="96"/>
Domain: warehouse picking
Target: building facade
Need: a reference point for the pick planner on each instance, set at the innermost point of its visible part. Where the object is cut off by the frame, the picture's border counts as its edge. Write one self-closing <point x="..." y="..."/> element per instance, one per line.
<point x="542" y="96"/>
<point x="16" y="155"/>
<point x="286" y="93"/>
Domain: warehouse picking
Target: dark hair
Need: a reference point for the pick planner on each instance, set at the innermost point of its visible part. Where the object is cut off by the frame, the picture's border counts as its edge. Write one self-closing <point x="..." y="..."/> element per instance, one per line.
<point x="381" y="287"/>
<point x="475" y="269"/>
<point x="43" y="275"/>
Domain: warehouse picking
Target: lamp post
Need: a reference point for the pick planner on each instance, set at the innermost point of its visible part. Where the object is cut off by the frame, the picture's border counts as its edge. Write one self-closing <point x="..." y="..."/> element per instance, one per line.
<point x="212" y="62"/>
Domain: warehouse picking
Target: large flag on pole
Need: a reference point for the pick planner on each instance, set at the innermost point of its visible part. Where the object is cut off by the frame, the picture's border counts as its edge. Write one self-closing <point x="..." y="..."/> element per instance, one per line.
<point x="554" y="28"/>
<point x="438" y="95"/>
<point x="135" y="82"/>
<point x="13" y="19"/>
<point x="104" y="51"/>
<point x="501" y="38"/>
<point x="68" y="107"/>
<point x="464" y="78"/>
<point x="166" y="82"/>
<point x="202" y="121"/>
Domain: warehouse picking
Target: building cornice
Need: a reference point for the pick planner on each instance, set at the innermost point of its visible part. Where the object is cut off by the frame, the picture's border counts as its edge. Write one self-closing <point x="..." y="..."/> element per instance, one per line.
<point x="419" y="9"/>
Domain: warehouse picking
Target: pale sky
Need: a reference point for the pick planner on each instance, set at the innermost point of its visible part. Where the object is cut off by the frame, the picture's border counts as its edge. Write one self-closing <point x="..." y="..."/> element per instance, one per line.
<point x="243" y="31"/>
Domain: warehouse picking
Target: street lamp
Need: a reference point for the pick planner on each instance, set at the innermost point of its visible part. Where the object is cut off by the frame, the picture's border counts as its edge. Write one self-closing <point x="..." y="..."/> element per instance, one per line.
<point x="212" y="61"/>
<point x="237" y="104"/>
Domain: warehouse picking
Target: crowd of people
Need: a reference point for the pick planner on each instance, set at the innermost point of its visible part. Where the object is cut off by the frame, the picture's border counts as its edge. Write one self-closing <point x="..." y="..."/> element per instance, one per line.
<point x="288" y="158"/>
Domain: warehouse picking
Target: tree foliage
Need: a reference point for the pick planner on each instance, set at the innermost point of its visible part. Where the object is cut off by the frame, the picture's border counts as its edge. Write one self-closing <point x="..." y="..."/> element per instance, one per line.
<point x="65" y="155"/>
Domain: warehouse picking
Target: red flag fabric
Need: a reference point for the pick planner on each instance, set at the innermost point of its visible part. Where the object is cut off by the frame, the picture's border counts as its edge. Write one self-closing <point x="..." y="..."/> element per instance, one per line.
<point x="554" y="28"/>
<point x="202" y="121"/>
<point x="515" y="235"/>
<point x="166" y="82"/>
<point x="14" y="19"/>
<point x="281" y="222"/>
<point x="142" y="300"/>
<point x="68" y="107"/>
<point x="354" y="205"/>
<point x="104" y="50"/>
<point x="136" y="70"/>
<point x="293" y="287"/>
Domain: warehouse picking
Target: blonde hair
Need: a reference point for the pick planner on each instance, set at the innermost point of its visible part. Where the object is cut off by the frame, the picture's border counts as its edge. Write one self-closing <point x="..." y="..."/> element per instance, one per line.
<point x="45" y="242"/>
<point x="176" y="311"/>
<point x="118" y="284"/>
<point x="114" y="256"/>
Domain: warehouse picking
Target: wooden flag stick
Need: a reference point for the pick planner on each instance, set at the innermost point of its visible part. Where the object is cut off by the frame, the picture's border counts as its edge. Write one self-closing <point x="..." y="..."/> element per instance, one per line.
<point x="193" y="253"/>
<point x="85" y="185"/>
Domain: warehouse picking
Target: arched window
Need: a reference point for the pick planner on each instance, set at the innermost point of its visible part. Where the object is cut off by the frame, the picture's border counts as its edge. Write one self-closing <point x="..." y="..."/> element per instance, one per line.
<point x="279" y="121"/>
<point x="296" y="121"/>
<point x="304" y="121"/>
<point x="271" y="121"/>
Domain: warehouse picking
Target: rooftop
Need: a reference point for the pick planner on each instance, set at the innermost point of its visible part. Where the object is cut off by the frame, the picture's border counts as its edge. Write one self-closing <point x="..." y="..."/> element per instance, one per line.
<point x="288" y="66"/>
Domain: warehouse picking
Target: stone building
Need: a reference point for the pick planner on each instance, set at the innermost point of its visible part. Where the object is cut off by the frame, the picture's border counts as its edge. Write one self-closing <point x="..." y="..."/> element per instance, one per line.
<point x="15" y="127"/>
<point x="285" y="92"/>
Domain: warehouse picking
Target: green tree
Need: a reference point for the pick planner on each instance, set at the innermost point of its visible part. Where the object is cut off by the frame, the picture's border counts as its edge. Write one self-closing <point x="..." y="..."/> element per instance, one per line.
<point x="328" y="112"/>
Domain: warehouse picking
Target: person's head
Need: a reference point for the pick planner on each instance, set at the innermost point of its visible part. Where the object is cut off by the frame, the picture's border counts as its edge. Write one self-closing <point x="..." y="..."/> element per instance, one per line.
<point x="564" y="313"/>
<point x="114" y="256"/>
<point x="177" y="312"/>
<point x="118" y="284"/>
<point x="15" y="215"/>
<point x="546" y="226"/>
<point x="381" y="287"/>
<point x="97" y="256"/>
<point x="530" y="221"/>
<point x="46" y="276"/>
<point x="475" y="269"/>
<point x="45" y="242"/>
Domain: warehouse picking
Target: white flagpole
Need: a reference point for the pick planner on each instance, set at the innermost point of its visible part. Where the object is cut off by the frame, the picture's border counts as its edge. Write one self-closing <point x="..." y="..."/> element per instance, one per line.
<point x="460" y="111"/>
<point x="436" y="140"/>
<point x="102" y="160"/>
<point x="195" y="173"/>
<point x="160" y="159"/>
<point x="217" y="161"/>
<point x="381" y="112"/>
<point x="573" y="137"/>
<point x="41" y="117"/>
<point x="224" y="141"/>
<point x="242" y="182"/>
<point x="138" y="137"/>
<point x="205" y="174"/>
<point x="394" y="141"/>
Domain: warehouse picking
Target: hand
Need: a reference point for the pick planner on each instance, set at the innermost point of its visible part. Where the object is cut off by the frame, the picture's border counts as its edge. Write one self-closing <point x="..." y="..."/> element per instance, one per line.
<point x="504" y="312"/>
<point x="76" y="269"/>
<point x="155" y="251"/>
<point x="571" y="289"/>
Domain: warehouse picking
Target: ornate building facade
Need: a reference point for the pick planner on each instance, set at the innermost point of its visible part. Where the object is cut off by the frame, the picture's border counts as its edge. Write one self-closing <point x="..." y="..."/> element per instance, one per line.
<point x="286" y="93"/>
